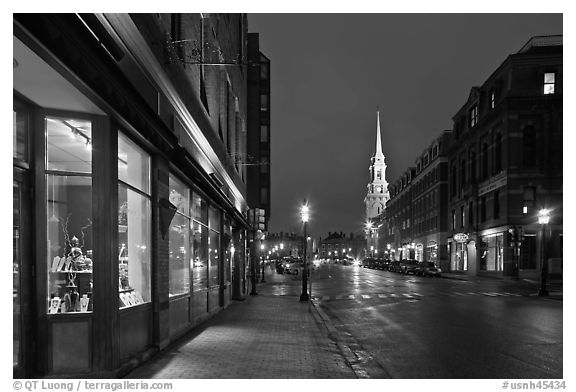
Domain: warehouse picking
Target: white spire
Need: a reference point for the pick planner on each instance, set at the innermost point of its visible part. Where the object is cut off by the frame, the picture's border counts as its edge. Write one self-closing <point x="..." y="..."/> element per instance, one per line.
<point x="378" y="139"/>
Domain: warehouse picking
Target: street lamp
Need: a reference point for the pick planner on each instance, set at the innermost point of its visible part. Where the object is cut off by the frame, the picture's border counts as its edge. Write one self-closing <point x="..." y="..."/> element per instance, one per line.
<point x="305" y="214"/>
<point x="543" y="219"/>
<point x="261" y="252"/>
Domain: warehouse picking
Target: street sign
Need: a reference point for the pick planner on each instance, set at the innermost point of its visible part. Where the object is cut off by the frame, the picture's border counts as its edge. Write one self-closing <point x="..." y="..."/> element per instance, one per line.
<point x="460" y="237"/>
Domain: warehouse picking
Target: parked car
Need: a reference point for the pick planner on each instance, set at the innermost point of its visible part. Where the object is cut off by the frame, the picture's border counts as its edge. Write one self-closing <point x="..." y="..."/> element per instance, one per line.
<point x="369" y="262"/>
<point x="428" y="268"/>
<point x="382" y="264"/>
<point x="394" y="266"/>
<point x="408" y="266"/>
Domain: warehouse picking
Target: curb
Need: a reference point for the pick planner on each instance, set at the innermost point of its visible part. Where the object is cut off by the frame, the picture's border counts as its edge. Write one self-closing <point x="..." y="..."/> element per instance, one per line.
<point x="453" y="278"/>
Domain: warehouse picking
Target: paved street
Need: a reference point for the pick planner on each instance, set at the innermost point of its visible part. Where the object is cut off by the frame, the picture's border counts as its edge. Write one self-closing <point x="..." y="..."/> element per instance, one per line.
<point x="418" y="327"/>
<point x="374" y="324"/>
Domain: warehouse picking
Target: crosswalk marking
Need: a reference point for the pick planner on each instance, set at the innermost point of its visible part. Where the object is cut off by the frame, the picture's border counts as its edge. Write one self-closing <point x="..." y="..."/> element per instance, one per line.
<point x="415" y="296"/>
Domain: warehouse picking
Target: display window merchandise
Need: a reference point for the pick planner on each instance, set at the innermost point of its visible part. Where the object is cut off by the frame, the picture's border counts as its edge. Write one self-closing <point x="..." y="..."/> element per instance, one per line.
<point x="134" y="224"/>
<point x="69" y="215"/>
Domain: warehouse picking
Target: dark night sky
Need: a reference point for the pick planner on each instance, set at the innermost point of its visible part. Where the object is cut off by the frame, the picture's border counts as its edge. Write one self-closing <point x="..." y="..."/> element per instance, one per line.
<point x="329" y="73"/>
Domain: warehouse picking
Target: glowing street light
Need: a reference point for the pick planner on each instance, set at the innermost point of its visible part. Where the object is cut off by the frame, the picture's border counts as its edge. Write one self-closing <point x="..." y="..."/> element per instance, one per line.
<point x="543" y="219"/>
<point x="305" y="215"/>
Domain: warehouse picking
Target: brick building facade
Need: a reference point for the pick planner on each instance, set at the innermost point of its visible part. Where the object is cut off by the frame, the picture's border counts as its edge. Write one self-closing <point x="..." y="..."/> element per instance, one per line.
<point x="130" y="135"/>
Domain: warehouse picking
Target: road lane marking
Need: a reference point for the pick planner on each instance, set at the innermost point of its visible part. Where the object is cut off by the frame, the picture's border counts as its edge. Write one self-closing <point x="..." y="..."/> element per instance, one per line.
<point x="381" y="295"/>
<point x="366" y="296"/>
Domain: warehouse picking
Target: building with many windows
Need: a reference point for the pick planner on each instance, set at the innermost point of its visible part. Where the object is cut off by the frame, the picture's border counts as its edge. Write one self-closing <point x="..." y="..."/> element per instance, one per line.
<point x="130" y="184"/>
<point x="471" y="203"/>
<point x="505" y="164"/>
<point x="416" y="220"/>
<point x="257" y="160"/>
<point x="339" y="246"/>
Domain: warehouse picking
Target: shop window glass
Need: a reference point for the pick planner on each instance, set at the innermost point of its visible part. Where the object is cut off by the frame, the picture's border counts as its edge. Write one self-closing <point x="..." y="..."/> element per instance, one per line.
<point x="214" y="258"/>
<point x="20" y="135"/>
<point x="134" y="224"/>
<point x="491" y="253"/>
<point x="199" y="256"/>
<point x="16" y="267"/>
<point x="134" y="240"/>
<point x="230" y="250"/>
<point x="69" y="235"/>
<point x="133" y="165"/>
<point x="68" y="145"/>
<point x="179" y="239"/>
<point x="69" y="215"/>
<point x="199" y="209"/>
<point x="214" y="218"/>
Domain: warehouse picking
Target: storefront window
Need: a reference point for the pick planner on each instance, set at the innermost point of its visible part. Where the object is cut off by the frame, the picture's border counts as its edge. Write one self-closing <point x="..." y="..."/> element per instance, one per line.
<point x="491" y="253"/>
<point x="69" y="215"/>
<point x="20" y="135"/>
<point x="179" y="241"/>
<point x="16" y="261"/>
<point x="214" y="218"/>
<point x="199" y="209"/>
<point x="134" y="224"/>
<point x="228" y="244"/>
<point x="199" y="256"/>
<point x="69" y="145"/>
<point x="432" y="252"/>
<point x="214" y="257"/>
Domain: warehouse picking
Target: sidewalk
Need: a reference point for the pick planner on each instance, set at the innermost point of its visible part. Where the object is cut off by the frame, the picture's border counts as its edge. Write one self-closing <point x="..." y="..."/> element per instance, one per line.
<point x="263" y="337"/>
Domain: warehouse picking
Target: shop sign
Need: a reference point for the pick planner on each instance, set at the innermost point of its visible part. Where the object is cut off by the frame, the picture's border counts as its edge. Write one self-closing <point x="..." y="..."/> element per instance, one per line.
<point x="496" y="183"/>
<point x="460" y="237"/>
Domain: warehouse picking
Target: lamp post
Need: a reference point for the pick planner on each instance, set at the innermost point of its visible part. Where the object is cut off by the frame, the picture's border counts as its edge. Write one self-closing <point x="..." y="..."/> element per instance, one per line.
<point x="262" y="260"/>
<point x="543" y="219"/>
<point x="304" y="212"/>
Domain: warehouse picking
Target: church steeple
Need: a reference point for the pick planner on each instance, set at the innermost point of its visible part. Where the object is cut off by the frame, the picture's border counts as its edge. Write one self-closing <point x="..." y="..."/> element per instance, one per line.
<point x="378" y="138"/>
<point x="377" y="195"/>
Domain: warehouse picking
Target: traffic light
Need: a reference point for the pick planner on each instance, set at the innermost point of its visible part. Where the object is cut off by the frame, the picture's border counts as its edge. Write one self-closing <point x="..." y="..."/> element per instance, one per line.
<point x="515" y="236"/>
<point x="511" y="236"/>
